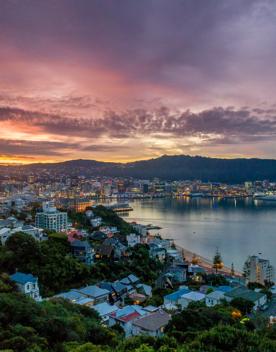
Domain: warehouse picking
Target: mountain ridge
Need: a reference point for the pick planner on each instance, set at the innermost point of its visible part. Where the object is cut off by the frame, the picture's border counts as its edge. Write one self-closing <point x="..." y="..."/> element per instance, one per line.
<point x="174" y="167"/>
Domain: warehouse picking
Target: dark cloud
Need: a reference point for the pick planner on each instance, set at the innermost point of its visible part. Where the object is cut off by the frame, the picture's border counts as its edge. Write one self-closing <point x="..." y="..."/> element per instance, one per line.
<point x="104" y="148"/>
<point x="182" y="43"/>
<point x="219" y="123"/>
<point x="27" y="148"/>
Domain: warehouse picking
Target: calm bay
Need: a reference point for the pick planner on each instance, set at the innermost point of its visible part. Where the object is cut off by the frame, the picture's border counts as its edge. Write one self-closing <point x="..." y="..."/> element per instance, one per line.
<point x="238" y="227"/>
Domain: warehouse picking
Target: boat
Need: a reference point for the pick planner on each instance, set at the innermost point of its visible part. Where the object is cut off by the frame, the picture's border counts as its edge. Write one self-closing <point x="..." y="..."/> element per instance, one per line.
<point x="120" y="207"/>
<point x="271" y="198"/>
<point x="195" y="195"/>
<point x="258" y="195"/>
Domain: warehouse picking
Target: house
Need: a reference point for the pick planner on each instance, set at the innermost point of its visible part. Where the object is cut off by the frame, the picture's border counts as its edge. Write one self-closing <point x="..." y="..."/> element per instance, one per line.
<point x="174" y="298"/>
<point x="4" y="234"/>
<point x="74" y="234"/>
<point x="105" y="251"/>
<point x="137" y="298"/>
<point x="109" y="230"/>
<point x="207" y="289"/>
<point x="73" y="296"/>
<point x="134" y="280"/>
<point x="144" y="289"/>
<point x="157" y="252"/>
<point x="98" y="236"/>
<point x="125" y="317"/>
<point x="104" y="309"/>
<point x="141" y="229"/>
<point x="99" y="295"/>
<point x="4" y="223"/>
<point x="119" y="249"/>
<point x="151" y="309"/>
<point x="89" y="213"/>
<point x="195" y="270"/>
<point x="161" y="243"/>
<point x="130" y="281"/>
<point x="86" y="301"/>
<point x="177" y="272"/>
<point x="174" y="254"/>
<point x="111" y="248"/>
<point x="36" y="233"/>
<point x="259" y="299"/>
<point x="133" y="239"/>
<point x="117" y="291"/>
<point x="96" y="221"/>
<point x="152" y="324"/>
<point x="189" y="297"/>
<point x="214" y="298"/>
<point x="225" y="288"/>
<point x="27" y="284"/>
<point x="83" y="251"/>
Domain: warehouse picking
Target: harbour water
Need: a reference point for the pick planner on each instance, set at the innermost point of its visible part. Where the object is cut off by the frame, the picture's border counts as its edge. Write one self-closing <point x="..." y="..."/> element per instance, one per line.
<point x="238" y="227"/>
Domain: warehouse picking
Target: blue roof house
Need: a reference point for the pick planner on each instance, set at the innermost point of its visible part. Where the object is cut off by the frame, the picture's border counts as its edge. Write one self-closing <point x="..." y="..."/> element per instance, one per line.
<point x="174" y="298"/>
<point x="99" y="295"/>
<point x="27" y="284"/>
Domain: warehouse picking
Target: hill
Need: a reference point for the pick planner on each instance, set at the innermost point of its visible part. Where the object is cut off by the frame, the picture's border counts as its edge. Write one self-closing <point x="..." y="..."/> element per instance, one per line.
<point x="166" y="167"/>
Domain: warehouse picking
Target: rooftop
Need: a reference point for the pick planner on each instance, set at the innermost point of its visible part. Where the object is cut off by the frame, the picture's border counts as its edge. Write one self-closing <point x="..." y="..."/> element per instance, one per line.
<point x="215" y="295"/>
<point x="194" y="296"/>
<point x="22" y="278"/>
<point x="177" y="294"/>
<point x="80" y="244"/>
<point x="105" y="308"/>
<point x="154" y="321"/>
<point x="93" y="291"/>
<point x="71" y="295"/>
<point x="242" y="292"/>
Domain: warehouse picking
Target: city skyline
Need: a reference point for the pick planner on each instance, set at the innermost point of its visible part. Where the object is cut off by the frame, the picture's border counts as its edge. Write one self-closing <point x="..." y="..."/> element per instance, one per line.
<point x="124" y="80"/>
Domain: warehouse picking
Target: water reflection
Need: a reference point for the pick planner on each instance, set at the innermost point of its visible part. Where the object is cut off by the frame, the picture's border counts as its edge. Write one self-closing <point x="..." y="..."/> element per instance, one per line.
<point x="239" y="227"/>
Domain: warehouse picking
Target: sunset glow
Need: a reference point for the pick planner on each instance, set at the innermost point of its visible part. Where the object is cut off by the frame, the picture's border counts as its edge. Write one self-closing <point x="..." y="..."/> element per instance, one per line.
<point x="132" y="80"/>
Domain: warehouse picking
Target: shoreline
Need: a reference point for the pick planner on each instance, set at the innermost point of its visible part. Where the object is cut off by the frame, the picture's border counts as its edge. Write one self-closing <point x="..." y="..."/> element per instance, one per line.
<point x="206" y="263"/>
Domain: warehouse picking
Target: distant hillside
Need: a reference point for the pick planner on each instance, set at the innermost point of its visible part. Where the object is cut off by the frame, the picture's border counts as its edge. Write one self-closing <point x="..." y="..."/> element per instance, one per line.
<point x="165" y="167"/>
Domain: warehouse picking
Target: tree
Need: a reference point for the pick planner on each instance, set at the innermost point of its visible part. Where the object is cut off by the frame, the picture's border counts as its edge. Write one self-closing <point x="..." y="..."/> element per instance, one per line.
<point x="191" y="321"/>
<point x="217" y="261"/>
<point x="230" y="338"/>
<point x="215" y="280"/>
<point x="243" y="305"/>
<point x="28" y="326"/>
<point x="26" y="251"/>
<point x="232" y="270"/>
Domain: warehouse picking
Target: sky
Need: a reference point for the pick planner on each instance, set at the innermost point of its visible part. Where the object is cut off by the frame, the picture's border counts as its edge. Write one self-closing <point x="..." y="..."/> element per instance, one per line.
<point x="128" y="80"/>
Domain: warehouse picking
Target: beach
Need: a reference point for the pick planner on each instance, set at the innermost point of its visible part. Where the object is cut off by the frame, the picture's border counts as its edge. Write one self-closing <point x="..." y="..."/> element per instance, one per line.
<point x="205" y="263"/>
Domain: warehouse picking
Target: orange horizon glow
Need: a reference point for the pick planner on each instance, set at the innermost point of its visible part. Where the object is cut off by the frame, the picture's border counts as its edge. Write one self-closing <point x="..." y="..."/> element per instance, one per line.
<point x="144" y="84"/>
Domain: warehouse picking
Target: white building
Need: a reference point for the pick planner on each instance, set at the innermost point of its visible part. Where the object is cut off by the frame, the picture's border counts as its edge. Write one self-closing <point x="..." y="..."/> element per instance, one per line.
<point x="4" y="234"/>
<point x="27" y="284"/>
<point x="133" y="239"/>
<point x="258" y="270"/>
<point x="51" y="219"/>
<point x="192" y="296"/>
<point x="214" y="298"/>
<point x="96" y="221"/>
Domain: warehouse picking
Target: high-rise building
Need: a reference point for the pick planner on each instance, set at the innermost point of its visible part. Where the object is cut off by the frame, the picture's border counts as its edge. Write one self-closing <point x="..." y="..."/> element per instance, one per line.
<point x="51" y="219"/>
<point x="258" y="270"/>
